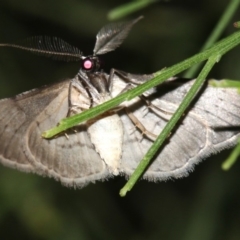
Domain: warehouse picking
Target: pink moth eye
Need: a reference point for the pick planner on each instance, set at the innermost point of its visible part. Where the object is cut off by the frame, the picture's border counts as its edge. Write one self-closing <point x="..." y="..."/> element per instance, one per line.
<point x="87" y="65"/>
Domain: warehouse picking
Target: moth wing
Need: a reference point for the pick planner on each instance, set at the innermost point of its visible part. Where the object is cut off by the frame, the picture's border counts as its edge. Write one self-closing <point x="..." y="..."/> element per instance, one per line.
<point x="69" y="158"/>
<point x="204" y="130"/>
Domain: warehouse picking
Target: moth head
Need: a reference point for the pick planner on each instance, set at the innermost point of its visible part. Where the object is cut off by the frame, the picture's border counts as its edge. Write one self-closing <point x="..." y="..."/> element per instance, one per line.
<point x="91" y="64"/>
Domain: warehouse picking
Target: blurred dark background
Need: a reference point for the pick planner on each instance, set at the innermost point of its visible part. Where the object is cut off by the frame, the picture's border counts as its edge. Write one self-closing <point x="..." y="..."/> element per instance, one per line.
<point x="204" y="205"/>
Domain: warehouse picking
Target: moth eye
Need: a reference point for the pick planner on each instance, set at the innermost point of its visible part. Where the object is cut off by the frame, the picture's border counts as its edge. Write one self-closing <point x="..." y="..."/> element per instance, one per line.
<point x="87" y="64"/>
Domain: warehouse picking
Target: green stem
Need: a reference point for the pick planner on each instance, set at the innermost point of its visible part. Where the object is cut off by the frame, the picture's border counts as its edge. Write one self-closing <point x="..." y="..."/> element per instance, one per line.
<point x="227" y="164"/>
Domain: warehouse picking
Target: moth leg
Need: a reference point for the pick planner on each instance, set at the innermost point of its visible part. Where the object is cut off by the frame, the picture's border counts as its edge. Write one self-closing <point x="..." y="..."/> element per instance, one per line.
<point x="136" y="79"/>
<point x="66" y="135"/>
<point x="158" y="111"/>
<point x="165" y="115"/>
<point x="132" y="79"/>
<point x="133" y="118"/>
<point x="140" y="126"/>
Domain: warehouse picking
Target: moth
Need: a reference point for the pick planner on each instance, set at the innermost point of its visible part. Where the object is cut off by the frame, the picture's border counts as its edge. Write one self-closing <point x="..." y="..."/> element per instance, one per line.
<point x="115" y="142"/>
